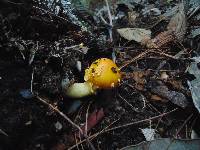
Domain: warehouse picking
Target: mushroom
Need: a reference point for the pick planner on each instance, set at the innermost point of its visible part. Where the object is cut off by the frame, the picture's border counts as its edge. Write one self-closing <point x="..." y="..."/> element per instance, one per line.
<point x="102" y="74"/>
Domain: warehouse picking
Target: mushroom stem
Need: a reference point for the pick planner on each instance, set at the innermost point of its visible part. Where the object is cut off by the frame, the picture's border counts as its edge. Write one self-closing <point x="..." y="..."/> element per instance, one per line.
<point x="79" y="90"/>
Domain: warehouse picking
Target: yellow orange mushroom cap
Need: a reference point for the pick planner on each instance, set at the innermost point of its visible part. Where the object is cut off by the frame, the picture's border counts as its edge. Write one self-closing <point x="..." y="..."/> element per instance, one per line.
<point x="103" y="73"/>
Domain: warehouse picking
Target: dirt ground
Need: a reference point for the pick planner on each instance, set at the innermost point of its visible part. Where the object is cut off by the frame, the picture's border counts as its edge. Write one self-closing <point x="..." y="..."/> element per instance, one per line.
<point x="139" y="102"/>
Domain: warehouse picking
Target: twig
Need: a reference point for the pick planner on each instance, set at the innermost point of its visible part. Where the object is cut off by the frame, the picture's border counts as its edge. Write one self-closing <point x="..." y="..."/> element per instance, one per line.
<point x="145" y="53"/>
<point x="76" y="141"/>
<point x="86" y="119"/>
<point x="104" y="21"/>
<point x="32" y="53"/>
<point x="110" y="19"/>
<point x="92" y="136"/>
<point x="152" y="107"/>
<point x="183" y="125"/>
<point x="32" y="81"/>
<point x="127" y="102"/>
<point x="160" y="119"/>
<point x="193" y="13"/>
<point x="10" y="2"/>
<point x="164" y="54"/>
<point x="2" y="132"/>
<point x="125" y="125"/>
<point x="67" y="118"/>
<point x="60" y="113"/>
<point x="136" y="58"/>
<point x="141" y="121"/>
<point x="22" y="55"/>
<point x="109" y="13"/>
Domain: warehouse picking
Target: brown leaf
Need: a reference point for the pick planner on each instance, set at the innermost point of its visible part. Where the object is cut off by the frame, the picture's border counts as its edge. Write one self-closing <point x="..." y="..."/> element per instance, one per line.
<point x="176" y="84"/>
<point x="139" y="78"/>
<point x="157" y="98"/>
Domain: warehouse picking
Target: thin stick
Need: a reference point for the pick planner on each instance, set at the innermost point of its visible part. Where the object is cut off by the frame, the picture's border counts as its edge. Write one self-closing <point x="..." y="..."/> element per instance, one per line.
<point x="125" y="125"/>
<point x="76" y="140"/>
<point x="136" y="58"/>
<point x="109" y="13"/>
<point x="164" y="54"/>
<point x="160" y="119"/>
<point x="104" y="21"/>
<point x="92" y="136"/>
<point x="86" y="119"/>
<point x="183" y="125"/>
<point x="141" y="121"/>
<point x="7" y="1"/>
<point x="110" y="19"/>
<point x="32" y="81"/>
<point x="126" y="102"/>
<point x="32" y="54"/>
<point x="67" y="118"/>
<point x="2" y="132"/>
<point x="22" y="55"/>
<point x="60" y="113"/>
<point x="145" y="53"/>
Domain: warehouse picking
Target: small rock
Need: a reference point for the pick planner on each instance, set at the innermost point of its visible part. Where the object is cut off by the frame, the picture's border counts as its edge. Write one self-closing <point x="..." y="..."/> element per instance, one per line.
<point x="58" y="126"/>
<point x="26" y="93"/>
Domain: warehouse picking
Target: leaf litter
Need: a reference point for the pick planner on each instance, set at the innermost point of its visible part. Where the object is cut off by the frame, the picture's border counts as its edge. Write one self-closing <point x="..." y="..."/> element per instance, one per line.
<point x="44" y="44"/>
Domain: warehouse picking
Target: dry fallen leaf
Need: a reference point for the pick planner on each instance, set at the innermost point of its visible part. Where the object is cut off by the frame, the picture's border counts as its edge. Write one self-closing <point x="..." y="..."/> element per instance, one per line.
<point x="139" y="77"/>
<point x="176" y="84"/>
<point x="177" y="24"/>
<point x="160" y="89"/>
<point x="135" y="34"/>
<point x="175" y="30"/>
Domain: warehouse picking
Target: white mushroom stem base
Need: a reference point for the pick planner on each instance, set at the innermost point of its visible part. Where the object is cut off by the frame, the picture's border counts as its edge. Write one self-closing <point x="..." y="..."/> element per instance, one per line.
<point x="79" y="90"/>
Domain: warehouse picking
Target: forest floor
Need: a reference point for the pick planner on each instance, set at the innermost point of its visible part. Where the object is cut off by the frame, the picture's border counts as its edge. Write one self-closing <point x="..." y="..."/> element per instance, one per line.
<point x="40" y="48"/>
